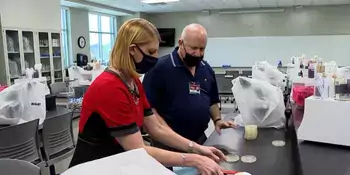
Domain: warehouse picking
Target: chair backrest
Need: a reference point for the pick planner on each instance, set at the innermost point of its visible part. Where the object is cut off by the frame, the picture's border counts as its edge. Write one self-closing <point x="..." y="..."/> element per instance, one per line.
<point x="18" y="167"/>
<point x="235" y="73"/>
<point x="224" y="83"/>
<point x="58" y="87"/>
<point x="57" y="134"/>
<point x="79" y="91"/>
<point x="247" y="73"/>
<point x="20" y="142"/>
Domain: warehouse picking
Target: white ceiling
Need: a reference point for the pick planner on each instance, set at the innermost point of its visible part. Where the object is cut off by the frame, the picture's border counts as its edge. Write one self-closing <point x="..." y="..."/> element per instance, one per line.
<point x="96" y="7"/>
<point x="198" y="5"/>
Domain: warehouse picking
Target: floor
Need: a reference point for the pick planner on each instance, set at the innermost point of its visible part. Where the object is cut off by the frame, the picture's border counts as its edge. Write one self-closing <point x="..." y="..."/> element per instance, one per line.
<point x="62" y="166"/>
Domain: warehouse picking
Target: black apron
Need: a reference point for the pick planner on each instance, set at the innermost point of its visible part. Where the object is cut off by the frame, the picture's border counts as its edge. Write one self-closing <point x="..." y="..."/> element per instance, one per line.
<point x="97" y="145"/>
<point x="96" y="142"/>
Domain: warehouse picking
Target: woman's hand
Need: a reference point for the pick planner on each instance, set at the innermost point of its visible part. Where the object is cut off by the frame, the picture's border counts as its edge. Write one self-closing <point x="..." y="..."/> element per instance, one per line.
<point x="210" y="152"/>
<point x="206" y="166"/>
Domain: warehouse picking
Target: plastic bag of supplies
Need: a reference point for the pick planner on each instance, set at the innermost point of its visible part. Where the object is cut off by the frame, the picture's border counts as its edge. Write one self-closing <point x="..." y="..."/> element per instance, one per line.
<point x="22" y="102"/>
<point x="259" y="103"/>
<point x="262" y="70"/>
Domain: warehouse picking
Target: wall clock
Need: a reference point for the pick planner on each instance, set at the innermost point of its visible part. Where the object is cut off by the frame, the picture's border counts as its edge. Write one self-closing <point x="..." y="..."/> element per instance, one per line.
<point x="81" y="42"/>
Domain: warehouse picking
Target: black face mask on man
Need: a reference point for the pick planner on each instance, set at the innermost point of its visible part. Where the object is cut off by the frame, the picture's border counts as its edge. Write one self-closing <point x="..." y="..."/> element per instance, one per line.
<point x="191" y="60"/>
<point x="146" y="64"/>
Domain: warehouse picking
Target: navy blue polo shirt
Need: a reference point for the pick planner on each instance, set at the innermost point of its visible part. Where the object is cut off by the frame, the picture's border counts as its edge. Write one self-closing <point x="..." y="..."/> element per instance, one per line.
<point x="167" y="88"/>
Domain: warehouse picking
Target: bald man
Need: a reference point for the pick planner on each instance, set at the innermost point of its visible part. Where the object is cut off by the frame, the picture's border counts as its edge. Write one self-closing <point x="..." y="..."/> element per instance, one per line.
<point x="182" y="89"/>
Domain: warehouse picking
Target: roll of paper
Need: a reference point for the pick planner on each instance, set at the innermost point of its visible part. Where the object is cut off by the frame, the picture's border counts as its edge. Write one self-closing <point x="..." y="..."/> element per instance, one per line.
<point x="250" y="132"/>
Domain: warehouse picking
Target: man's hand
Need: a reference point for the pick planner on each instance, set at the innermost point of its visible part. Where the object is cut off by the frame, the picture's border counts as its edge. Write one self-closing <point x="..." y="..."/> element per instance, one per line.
<point x="223" y="125"/>
<point x="211" y="152"/>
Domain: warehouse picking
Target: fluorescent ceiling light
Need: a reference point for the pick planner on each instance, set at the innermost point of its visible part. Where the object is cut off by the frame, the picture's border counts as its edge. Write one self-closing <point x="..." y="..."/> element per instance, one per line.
<point x="252" y="11"/>
<point x="158" y="1"/>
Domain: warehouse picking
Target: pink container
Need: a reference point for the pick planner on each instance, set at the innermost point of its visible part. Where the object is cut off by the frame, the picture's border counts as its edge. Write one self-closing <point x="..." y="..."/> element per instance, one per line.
<point x="300" y="93"/>
<point x="2" y="88"/>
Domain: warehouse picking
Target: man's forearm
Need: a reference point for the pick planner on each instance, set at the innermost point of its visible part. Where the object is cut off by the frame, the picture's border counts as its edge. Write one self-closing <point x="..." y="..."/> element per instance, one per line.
<point x="215" y="112"/>
<point x="160" y="119"/>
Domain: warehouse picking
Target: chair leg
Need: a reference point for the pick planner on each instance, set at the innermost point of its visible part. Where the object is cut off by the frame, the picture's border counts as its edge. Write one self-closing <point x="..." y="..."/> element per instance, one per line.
<point x="52" y="170"/>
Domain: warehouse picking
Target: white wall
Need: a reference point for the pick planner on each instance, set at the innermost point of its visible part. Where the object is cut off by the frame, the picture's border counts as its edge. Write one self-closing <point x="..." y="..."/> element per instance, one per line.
<point x="333" y="20"/>
<point x="79" y="26"/>
<point x="31" y="14"/>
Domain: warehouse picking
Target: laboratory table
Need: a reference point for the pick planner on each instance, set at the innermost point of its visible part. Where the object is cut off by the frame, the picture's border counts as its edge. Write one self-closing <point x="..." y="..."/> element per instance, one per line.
<point x="271" y="160"/>
<point x="321" y="159"/>
<point x="62" y="110"/>
<point x="58" y="111"/>
<point x="295" y="158"/>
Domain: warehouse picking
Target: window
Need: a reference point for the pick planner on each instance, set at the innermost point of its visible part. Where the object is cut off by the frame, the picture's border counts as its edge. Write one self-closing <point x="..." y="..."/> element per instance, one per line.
<point x="65" y="37"/>
<point x="102" y="34"/>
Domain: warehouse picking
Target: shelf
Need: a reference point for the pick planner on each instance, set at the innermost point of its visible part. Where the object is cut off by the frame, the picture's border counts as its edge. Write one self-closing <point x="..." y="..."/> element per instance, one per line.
<point x="28" y="52"/>
<point x="58" y="70"/>
<point x="46" y="71"/>
<point x="13" y="52"/>
<point x="56" y="56"/>
<point x="44" y="57"/>
<point x="43" y="46"/>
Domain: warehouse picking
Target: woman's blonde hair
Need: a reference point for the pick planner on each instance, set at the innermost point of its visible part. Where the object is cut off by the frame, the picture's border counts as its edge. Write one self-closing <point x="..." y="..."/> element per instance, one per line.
<point x="134" y="31"/>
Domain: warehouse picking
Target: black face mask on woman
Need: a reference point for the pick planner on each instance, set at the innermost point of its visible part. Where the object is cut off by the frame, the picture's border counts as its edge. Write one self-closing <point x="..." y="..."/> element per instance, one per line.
<point x="191" y="60"/>
<point x="146" y="64"/>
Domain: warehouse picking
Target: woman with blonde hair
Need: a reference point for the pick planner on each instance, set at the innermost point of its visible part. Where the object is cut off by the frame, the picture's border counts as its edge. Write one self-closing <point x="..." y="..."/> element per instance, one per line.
<point x="115" y="107"/>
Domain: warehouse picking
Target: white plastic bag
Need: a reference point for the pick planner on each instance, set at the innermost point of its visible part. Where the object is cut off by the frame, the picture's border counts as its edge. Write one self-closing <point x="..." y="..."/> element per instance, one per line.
<point x="331" y="68"/>
<point x="259" y="103"/>
<point x="262" y="70"/>
<point x="11" y="105"/>
<point x="98" y="69"/>
<point x="23" y="101"/>
<point x="343" y="72"/>
<point x="81" y="76"/>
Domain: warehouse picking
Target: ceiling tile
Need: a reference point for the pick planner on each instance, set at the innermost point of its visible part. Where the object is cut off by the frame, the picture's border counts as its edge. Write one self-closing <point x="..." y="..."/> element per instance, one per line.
<point x="341" y="1"/>
<point x="268" y="3"/>
<point x="330" y="2"/>
<point x="198" y="5"/>
<point x="250" y="3"/>
<point x="212" y="4"/>
<point x="286" y="3"/>
<point x="320" y="2"/>
<point x="303" y="2"/>
<point x="234" y="4"/>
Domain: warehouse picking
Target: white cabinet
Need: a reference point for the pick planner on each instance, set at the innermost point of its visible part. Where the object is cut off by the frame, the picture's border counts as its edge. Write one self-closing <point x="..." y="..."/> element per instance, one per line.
<point x="25" y="48"/>
<point x="3" y="74"/>
<point x="50" y="56"/>
<point x="14" y="53"/>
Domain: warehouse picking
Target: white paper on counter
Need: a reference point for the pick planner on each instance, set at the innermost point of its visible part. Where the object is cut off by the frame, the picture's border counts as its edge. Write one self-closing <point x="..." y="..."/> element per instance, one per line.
<point x="134" y="162"/>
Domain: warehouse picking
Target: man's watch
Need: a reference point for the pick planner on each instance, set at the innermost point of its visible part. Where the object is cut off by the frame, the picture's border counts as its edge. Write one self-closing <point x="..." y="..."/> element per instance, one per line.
<point x="191" y="147"/>
<point x="216" y="120"/>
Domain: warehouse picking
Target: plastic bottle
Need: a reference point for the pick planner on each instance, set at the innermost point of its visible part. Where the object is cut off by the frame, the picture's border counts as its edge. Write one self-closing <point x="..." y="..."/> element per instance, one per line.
<point x="300" y="74"/>
<point x="311" y="69"/>
<point x="331" y="88"/>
